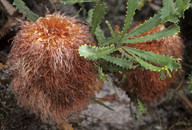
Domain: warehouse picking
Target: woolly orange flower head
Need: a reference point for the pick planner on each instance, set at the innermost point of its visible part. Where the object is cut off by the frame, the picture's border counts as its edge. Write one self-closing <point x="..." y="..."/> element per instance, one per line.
<point x="147" y="85"/>
<point x="49" y="77"/>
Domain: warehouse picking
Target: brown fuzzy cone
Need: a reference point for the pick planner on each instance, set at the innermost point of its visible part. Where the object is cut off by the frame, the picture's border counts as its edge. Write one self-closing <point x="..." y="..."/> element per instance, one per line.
<point x="49" y="77"/>
<point x="147" y="85"/>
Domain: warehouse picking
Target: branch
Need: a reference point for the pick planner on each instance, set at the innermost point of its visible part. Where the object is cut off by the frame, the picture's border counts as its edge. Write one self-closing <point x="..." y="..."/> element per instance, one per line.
<point x="10" y="9"/>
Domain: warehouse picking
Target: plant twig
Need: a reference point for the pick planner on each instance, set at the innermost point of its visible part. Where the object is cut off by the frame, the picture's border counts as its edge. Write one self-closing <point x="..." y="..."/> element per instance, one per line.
<point x="180" y="83"/>
<point x="10" y="22"/>
<point x="186" y="102"/>
<point x="10" y="9"/>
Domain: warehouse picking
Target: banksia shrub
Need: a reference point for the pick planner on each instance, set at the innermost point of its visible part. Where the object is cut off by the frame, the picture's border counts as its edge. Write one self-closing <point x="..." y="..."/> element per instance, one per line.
<point x="50" y="79"/>
<point x="145" y="84"/>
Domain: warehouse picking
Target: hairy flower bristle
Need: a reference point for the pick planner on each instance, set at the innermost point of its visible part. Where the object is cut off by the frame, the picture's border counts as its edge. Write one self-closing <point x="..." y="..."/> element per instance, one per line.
<point x="49" y="77"/>
<point x="145" y="84"/>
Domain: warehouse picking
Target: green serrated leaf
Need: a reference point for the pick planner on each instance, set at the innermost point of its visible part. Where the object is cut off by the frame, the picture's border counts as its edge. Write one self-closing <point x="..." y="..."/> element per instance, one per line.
<point x="146" y="26"/>
<point x="71" y="2"/>
<point x="181" y="6"/>
<point x="172" y="30"/>
<point x="20" y="5"/>
<point x="92" y="52"/>
<point x="98" y="14"/>
<point x="152" y="68"/>
<point x="141" y="106"/>
<point x="168" y="8"/>
<point x="162" y="60"/>
<point x="126" y="55"/>
<point x="99" y="33"/>
<point x="145" y="64"/>
<point x="131" y="7"/>
<point x="102" y="104"/>
<point x="168" y="12"/>
<point x="144" y="57"/>
<point x="110" y="28"/>
<point x="162" y="75"/>
<point x="140" y="109"/>
<point x="122" y="62"/>
<point x="109" y="41"/>
<point x="139" y="115"/>
<point x="90" y="15"/>
<point x="101" y="75"/>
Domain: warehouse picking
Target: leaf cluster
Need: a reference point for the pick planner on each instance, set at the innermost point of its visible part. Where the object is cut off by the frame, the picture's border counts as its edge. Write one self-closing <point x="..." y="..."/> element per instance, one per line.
<point x="116" y="43"/>
<point x="173" y="11"/>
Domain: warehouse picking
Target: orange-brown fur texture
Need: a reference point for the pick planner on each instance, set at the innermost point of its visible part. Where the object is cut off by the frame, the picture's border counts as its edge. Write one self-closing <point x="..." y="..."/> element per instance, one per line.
<point x="49" y="77"/>
<point x="147" y="85"/>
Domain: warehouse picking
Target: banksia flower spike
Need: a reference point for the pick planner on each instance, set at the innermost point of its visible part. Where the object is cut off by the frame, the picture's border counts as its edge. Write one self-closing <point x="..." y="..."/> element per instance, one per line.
<point x="147" y="85"/>
<point x="50" y="79"/>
